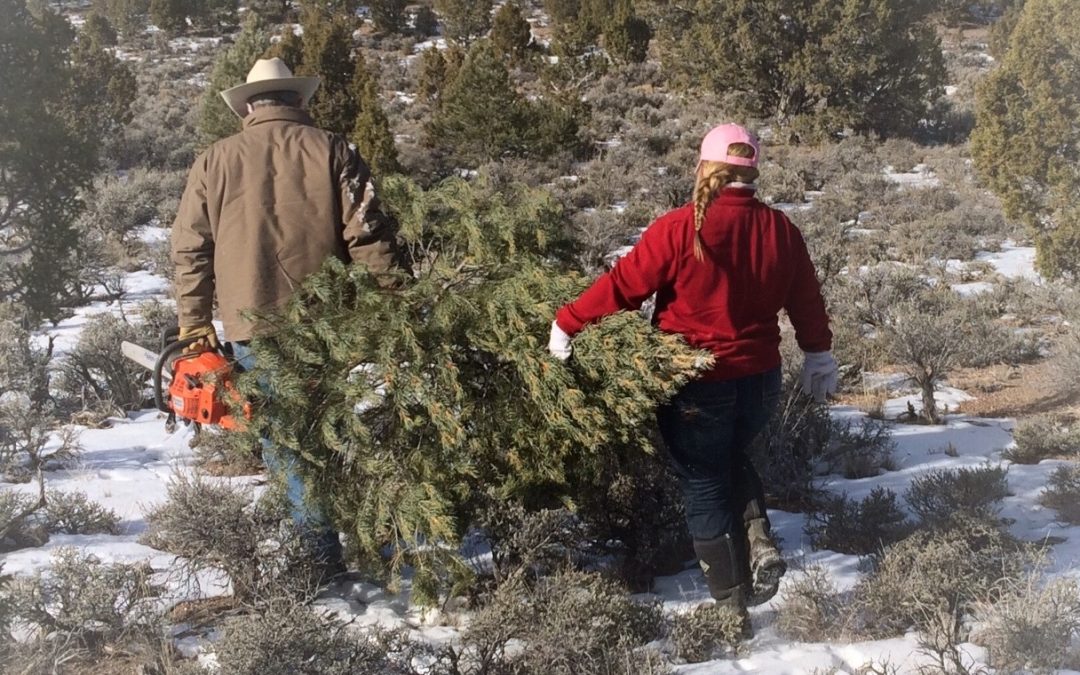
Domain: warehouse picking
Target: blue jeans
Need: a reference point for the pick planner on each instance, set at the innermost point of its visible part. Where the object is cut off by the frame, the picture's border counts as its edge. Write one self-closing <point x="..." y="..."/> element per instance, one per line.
<point x="284" y="463"/>
<point x="708" y="428"/>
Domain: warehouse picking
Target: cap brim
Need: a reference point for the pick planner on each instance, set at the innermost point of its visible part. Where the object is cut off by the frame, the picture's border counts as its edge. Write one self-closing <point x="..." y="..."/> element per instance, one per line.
<point x="237" y="97"/>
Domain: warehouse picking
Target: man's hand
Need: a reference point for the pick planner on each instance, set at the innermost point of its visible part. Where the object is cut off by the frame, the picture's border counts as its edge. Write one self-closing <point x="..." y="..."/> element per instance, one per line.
<point x="820" y="375"/>
<point x="205" y="337"/>
<point x="559" y="343"/>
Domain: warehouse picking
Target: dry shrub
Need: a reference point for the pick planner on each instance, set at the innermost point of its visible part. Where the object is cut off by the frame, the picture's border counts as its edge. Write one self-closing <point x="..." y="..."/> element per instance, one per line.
<point x="787" y="450"/>
<point x="1043" y="437"/>
<point x="74" y="513"/>
<point x="223" y="453"/>
<point x="780" y="184"/>
<point x="568" y="623"/>
<point x="526" y="545"/>
<point x="942" y="496"/>
<point x="1030" y="627"/>
<point x="633" y="513"/>
<point x="290" y="638"/>
<point x="84" y="609"/>
<point x="19" y="526"/>
<point x="118" y="207"/>
<point x="1063" y="493"/>
<point x="900" y="154"/>
<point x="708" y="632"/>
<point x="860" y="450"/>
<point x="216" y="526"/>
<point x="95" y="377"/>
<point x="812" y="608"/>
<point x="858" y="527"/>
<point x="932" y="578"/>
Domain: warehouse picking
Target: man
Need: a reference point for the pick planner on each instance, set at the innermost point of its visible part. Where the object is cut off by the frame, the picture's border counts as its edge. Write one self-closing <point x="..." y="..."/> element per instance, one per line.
<point x="262" y="210"/>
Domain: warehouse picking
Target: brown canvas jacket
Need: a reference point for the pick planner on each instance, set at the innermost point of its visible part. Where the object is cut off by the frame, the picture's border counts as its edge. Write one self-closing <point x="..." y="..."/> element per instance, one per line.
<point x="263" y="209"/>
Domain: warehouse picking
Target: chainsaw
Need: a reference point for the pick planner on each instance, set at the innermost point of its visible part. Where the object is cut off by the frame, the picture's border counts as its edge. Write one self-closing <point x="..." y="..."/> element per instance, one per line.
<point x="201" y="390"/>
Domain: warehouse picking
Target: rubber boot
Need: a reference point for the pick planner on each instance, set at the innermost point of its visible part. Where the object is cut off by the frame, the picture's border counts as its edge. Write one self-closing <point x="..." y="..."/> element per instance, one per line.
<point x="767" y="566"/>
<point x="723" y="560"/>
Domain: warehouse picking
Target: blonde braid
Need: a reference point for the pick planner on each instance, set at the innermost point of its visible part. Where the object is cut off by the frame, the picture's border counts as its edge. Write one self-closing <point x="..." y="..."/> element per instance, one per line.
<point x="711" y="178"/>
<point x="708" y="183"/>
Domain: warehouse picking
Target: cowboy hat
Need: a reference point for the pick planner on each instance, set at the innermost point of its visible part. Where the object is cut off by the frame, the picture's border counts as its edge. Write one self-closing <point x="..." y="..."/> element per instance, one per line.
<point x="268" y="75"/>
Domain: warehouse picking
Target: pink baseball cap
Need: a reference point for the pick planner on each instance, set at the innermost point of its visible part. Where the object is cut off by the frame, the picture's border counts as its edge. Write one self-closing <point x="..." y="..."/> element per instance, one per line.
<point x="715" y="146"/>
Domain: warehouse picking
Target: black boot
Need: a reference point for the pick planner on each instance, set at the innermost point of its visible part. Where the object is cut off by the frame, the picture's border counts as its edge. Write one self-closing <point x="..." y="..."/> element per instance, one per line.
<point x="723" y="560"/>
<point x="766" y="563"/>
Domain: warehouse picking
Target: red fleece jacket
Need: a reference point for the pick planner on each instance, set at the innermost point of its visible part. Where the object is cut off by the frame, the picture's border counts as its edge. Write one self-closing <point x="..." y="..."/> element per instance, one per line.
<point x="756" y="264"/>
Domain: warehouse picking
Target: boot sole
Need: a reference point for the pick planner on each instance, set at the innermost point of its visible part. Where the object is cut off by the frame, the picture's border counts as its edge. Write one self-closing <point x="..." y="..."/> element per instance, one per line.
<point x="767" y="581"/>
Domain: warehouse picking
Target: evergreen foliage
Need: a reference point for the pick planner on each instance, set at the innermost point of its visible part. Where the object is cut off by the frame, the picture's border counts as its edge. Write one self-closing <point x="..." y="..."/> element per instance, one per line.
<point x="216" y="121"/>
<point x="128" y="16"/>
<point x="99" y="30"/>
<point x="464" y="21"/>
<point x="170" y="15"/>
<point x="626" y="35"/>
<point x="482" y="117"/>
<point x="425" y="23"/>
<point x="388" y="15"/>
<point x="1026" y="143"/>
<point x="327" y="53"/>
<point x="59" y="101"/>
<point x="821" y="66"/>
<point x="432" y="73"/>
<point x="414" y="407"/>
<point x="371" y="133"/>
<point x="510" y="32"/>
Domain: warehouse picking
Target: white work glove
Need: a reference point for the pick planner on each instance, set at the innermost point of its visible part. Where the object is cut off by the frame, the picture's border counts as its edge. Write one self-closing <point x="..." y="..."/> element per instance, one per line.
<point x="559" y="343"/>
<point x="820" y="375"/>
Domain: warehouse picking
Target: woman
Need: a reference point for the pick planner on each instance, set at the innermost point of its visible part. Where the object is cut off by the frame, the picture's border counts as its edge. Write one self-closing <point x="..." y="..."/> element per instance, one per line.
<point x="722" y="268"/>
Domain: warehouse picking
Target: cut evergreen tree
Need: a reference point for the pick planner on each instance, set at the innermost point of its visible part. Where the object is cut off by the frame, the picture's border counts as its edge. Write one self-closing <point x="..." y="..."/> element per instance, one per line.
<point x="416" y="408"/>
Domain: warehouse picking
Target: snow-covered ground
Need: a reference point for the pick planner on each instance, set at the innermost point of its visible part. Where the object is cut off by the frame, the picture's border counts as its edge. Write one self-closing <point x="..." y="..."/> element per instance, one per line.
<point x="127" y="468"/>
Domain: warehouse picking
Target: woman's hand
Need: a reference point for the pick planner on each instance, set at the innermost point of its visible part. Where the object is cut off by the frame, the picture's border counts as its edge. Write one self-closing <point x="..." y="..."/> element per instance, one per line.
<point x="820" y="375"/>
<point x="559" y="343"/>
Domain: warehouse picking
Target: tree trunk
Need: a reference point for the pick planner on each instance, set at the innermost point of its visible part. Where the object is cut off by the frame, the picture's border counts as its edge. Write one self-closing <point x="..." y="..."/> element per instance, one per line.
<point x="929" y="411"/>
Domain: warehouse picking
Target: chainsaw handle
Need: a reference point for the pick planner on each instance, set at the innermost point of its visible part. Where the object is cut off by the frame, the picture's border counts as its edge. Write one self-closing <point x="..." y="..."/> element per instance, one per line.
<point x="163" y="359"/>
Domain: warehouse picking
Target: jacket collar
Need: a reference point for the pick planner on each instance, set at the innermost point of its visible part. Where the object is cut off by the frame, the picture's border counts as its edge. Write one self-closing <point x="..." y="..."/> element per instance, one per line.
<point x="736" y="195"/>
<point x="278" y="114"/>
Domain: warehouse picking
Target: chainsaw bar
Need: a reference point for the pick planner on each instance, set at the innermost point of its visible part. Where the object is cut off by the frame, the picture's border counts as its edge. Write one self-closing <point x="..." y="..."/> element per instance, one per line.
<point x="143" y="356"/>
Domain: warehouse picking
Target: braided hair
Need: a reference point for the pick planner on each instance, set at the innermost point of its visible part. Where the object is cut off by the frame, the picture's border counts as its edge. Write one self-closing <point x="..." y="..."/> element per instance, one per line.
<point x="711" y="178"/>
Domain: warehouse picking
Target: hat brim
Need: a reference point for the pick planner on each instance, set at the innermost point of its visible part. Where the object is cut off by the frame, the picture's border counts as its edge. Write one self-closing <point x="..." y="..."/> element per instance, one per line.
<point x="237" y="97"/>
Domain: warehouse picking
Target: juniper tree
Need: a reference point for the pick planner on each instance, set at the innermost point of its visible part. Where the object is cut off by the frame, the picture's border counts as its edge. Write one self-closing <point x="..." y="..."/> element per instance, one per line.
<point x="626" y="35"/>
<point x="869" y="65"/>
<point x="510" y="32"/>
<point x="416" y="406"/>
<point x="388" y="15"/>
<point x="170" y="15"/>
<point x="327" y="53"/>
<point x="371" y="132"/>
<point x="216" y="120"/>
<point x="59" y="102"/>
<point x="425" y="23"/>
<point x="464" y="21"/>
<point x="482" y="117"/>
<point x="1026" y="142"/>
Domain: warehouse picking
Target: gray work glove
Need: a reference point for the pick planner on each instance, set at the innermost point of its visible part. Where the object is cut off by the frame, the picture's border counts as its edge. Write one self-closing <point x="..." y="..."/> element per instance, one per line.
<point x="820" y="375"/>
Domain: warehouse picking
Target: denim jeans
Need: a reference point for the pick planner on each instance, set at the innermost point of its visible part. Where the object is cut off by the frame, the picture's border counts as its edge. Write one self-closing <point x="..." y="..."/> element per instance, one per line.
<point x="708" y="428"/>
<point x="283" y="463"/>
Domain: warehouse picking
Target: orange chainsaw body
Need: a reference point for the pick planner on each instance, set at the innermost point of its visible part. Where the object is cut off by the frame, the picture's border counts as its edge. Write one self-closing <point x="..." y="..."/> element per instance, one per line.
<point x="202" y="390"/>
